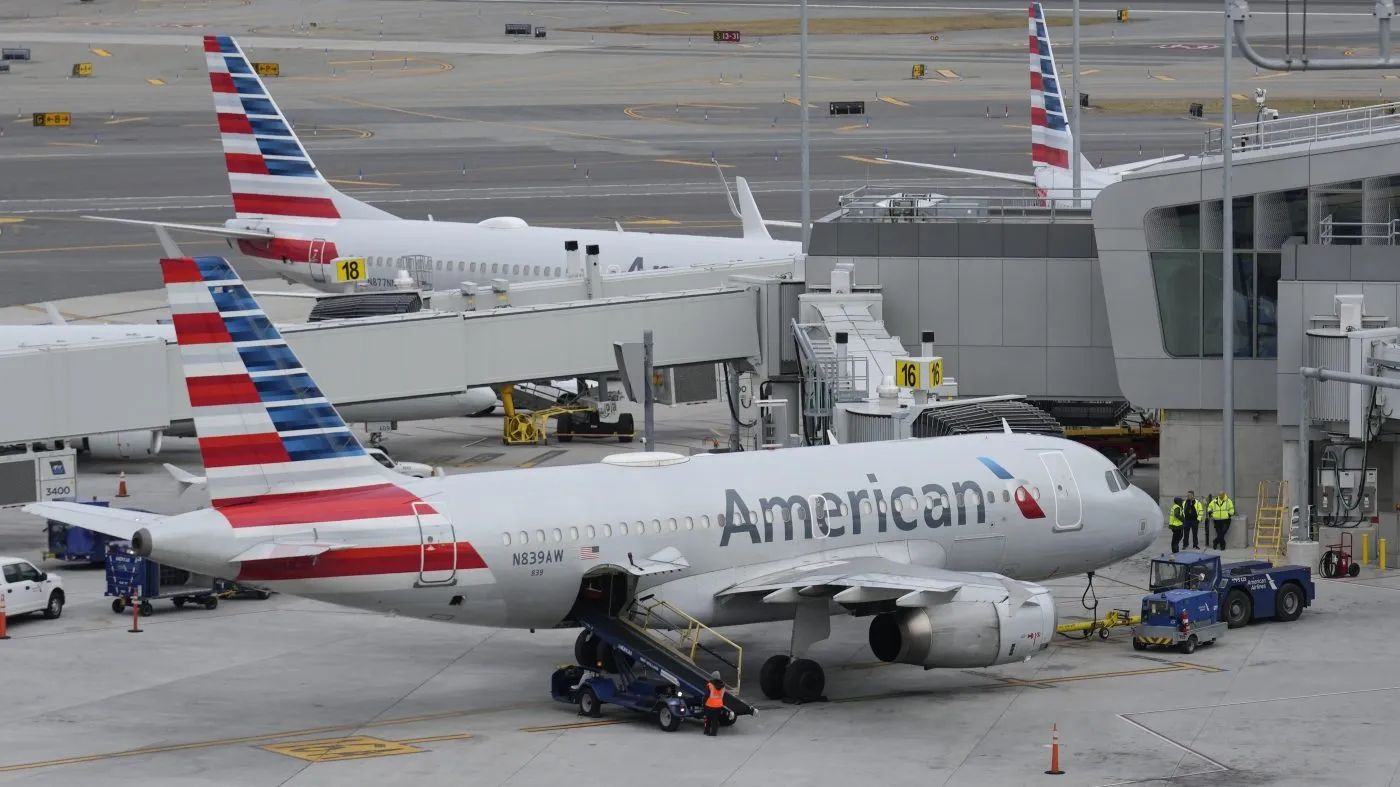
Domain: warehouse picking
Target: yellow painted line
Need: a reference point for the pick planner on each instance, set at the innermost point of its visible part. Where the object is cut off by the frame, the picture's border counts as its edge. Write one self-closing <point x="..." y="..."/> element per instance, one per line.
<point x="689" y="163"/>
<point x="1164" y="77"/>
<point x="1014" y="125"/>
<point x="1274" y="75"/>
<point x="676" y="11"/>
<point x="115" y="121"/>
<point x="100" y="52"/>
<point x="864" y="160"/>
<point x="545" y="129"/>
<point x="797" y="102"/>
<point x="73" y="144"/>
<point x="715" y="106"/>
<point x="947" y="73"/>
<point x="655" y="222"/>
<point x="1211" y="123"/>
<point x="461" y="736"/>
<point x="893" y="100"/>
<point x="1088" y="71"/>
<point x="1391" y="76"/>
<point x="156" y="82"/>
<point x="852" y="127"/>
<point x="356" y="747"/>
<point x="1239" y="96"/>
<point x="540" y="459"/>
<point x="11" y="220"/>
<point x="358" y="182"/>
<point x="574" y="726"/>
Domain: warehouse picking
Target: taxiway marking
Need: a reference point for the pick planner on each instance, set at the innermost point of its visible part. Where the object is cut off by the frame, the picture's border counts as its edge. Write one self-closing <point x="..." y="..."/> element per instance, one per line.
<point x="433" y="116"/>
<point x="536" y="461"/>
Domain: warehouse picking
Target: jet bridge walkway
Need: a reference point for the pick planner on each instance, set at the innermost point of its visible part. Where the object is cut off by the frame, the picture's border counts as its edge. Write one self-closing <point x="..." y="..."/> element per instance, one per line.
<point x="663" y="638"/>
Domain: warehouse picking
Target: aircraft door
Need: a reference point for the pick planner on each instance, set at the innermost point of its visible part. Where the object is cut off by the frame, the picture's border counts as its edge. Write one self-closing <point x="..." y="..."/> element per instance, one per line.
<point x="438" y="542"/>
<point x="314" y="256"/>
<point x="1069" y="505"/>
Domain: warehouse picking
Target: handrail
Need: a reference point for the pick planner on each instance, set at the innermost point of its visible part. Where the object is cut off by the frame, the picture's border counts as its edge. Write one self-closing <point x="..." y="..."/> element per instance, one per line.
<point x="1389" y="231"/>
<point x="690" y="633"/>
<point x="1299" y="129"/>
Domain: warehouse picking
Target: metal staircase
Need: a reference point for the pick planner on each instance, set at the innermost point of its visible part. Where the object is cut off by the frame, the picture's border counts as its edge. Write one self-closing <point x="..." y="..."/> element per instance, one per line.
<point x="827" y="378"/>
<point x="1269" y="520"/>
<point x="674" y="644"/>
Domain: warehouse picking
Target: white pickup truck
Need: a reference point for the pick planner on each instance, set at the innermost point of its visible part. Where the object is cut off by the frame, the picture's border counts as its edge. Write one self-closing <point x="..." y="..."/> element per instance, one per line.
<point x="29" y="589"/>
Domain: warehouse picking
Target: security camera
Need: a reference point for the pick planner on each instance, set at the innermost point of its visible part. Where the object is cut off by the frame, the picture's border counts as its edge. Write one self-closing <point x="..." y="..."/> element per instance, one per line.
<point x="1259" y="95"/>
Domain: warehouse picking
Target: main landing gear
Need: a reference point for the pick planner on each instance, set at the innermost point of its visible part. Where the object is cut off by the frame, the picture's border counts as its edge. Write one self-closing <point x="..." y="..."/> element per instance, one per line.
<point x="795" y="678"/>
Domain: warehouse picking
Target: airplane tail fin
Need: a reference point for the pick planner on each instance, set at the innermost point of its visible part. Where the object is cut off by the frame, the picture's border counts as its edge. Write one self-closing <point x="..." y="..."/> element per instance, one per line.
<point x="1051" y="137"/>
<point x="264" y="427"/>
<point x="269" y="172"/>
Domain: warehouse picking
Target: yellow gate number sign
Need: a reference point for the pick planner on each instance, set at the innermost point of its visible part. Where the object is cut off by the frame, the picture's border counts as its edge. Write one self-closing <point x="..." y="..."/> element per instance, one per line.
<point x="351" y="269"/>
<point x="53" y="119"/>
<point x="918" y="373"/>
<point x="267" y="69"/>
<point x="82" y="69"/>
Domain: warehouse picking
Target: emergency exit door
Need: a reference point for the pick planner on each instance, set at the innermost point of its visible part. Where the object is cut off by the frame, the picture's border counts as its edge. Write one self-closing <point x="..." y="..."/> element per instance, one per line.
<point x="315" y="256"/>
<point x="438" y="548"/>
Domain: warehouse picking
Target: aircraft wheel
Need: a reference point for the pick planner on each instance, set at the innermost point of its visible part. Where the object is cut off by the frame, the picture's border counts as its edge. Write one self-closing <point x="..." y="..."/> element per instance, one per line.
<point x="588" y="703"/>
<point x="770" y="678"/>
<point x="804" y="681"/>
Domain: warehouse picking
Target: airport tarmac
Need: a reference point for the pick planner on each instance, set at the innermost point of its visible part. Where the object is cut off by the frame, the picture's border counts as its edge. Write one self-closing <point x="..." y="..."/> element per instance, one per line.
<point x="294" y="692"/>
<point x="429" y="112"/>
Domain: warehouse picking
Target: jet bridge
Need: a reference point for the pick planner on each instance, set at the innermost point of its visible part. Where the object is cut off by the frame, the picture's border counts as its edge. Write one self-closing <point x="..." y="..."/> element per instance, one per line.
<point x="127" y="384"/>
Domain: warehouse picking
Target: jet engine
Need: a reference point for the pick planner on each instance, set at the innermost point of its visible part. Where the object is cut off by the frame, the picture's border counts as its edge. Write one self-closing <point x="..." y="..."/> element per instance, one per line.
<point x="964" y="633"/>
<point x="122" y="445"/>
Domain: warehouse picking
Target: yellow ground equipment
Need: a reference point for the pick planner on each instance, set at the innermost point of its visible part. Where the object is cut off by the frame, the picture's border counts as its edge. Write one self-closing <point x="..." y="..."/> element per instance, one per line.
<point x="521" y="428"/>
<point x="1111" y="619"/>
<point x="1269" y="543"/>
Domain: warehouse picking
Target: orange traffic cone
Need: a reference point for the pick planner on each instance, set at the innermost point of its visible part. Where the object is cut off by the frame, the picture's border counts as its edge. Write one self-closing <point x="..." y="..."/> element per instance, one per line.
<point x="135" y="610"/>
<point x="1055" y="751"/>
<point x="121" y="485"/>
<point x="3" y="633"/>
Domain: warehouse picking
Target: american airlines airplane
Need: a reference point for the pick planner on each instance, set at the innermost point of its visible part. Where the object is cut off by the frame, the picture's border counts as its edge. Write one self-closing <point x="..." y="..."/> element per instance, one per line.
<point x="297" y="224"/>
<point x="940" y="541"/>
<point x="1051" y="137"/>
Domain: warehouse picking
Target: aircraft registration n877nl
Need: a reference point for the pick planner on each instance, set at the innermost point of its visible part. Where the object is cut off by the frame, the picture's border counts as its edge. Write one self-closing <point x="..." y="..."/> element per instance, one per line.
<point x="940" y="540"/>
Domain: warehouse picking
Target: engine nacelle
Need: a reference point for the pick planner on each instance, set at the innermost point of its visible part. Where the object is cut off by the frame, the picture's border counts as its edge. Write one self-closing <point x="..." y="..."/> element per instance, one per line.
<point x="964" y="634"/>
<point x="123" y="445"/>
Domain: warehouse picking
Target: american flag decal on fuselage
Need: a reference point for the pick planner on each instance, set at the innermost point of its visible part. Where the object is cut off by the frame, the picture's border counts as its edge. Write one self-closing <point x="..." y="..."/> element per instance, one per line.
<point x="1050" y="133"/>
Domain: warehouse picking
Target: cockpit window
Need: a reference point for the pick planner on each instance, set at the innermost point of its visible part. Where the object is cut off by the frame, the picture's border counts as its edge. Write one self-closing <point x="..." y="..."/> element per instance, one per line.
<point x="1116" y="481"/>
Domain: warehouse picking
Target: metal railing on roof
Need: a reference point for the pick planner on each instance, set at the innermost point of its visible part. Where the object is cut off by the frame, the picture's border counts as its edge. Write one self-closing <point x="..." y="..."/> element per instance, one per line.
<point x="882" y="204"/>
<point x="1303" y="129"/>
<point x="1357" y="233"/>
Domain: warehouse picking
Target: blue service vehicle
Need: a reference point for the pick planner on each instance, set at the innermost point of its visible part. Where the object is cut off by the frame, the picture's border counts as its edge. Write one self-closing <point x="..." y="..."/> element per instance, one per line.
<point x="1179" y="618"/>
<point x="634" y="686"/>
<point x="1244" y="591"/>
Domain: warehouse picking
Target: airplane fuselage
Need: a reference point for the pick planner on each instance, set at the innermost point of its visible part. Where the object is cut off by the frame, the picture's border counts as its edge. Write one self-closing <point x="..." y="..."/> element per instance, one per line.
<point x="450" y="253"/>
<point x="508" y="554"/>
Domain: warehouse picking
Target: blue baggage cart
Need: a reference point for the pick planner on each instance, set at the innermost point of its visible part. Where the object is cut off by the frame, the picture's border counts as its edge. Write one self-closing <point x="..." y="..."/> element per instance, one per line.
<point x="128" y="573"/>
<point x="74" y="544"/>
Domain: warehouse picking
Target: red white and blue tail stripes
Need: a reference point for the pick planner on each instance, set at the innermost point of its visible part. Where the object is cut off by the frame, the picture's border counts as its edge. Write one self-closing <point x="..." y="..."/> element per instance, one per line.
<point x="264" y="426"/>
<point x="270" y="174"/>
<point x="1050" y="133"/>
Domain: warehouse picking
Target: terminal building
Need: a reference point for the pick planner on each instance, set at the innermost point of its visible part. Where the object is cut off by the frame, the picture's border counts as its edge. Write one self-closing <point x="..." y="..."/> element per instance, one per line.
<point x="1039" y="314"/>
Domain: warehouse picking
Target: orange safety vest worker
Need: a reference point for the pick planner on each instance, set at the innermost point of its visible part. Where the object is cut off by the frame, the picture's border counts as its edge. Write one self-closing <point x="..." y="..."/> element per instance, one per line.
<point x="716" y="696"/>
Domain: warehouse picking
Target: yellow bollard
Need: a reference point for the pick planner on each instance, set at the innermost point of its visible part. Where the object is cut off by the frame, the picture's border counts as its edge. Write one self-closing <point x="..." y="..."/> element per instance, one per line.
<point x="1365" y="549"/>
<point x="1380" y="552"/>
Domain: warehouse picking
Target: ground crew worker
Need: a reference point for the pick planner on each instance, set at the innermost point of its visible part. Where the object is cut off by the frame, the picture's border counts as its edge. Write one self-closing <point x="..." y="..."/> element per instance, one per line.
<point x="714" y="703"/>
<point x="1221" y="508"/>
<point x="1177" y="526"/>
<point x="1192" y="516"/>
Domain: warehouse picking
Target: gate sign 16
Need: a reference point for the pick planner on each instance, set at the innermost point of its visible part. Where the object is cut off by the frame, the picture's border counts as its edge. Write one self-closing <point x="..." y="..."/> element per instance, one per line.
<point x="923" y="374"/>
<point x="727" y="36"/>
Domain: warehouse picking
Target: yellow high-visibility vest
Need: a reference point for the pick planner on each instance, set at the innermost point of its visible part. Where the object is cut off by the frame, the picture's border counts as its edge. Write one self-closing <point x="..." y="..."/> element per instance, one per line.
<point x="1175" y="519"/>
<point x="1221" y="508"/>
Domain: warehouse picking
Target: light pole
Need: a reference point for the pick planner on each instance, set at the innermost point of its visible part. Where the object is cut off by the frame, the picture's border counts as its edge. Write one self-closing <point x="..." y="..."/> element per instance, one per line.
<point x="1074" y="87"/>
<point x="1227" y="280"/>
<point x="806" y="153"/>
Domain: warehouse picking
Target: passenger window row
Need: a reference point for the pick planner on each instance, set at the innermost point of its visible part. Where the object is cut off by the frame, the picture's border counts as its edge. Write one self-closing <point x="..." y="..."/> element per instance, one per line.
<point x="463" y="266"/>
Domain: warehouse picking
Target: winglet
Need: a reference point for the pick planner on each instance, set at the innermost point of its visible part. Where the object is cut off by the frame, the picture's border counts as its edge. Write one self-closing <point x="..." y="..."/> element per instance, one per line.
<point x="754" y="228"/>
<point x="1005" y="427"/>
<point x="55" y="317"/>
<point x="831" y="438"/>
<point x="185" y="478"/>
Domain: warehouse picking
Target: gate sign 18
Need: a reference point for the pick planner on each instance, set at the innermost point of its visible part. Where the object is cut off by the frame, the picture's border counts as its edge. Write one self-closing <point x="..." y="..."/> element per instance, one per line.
<point x="727" y="36"/>
<point x="351" y="269"/>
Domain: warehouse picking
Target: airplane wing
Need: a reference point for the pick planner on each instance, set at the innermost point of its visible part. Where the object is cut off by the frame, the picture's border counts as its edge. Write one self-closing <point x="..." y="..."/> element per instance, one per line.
<point x="1134" y="166"/>
<point x="115" y="522"/>
<point x="869" y="579"/>
<point x="200" y="228"/>
<point x="1008" y="176"/>
<point x="278" y="550"/>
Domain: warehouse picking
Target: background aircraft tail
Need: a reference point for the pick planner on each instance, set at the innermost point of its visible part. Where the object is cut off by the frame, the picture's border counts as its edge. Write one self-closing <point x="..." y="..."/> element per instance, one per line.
<point x="270" y="174"/>
<point x="264" y="427"/>
<point x="1052" y="140"/>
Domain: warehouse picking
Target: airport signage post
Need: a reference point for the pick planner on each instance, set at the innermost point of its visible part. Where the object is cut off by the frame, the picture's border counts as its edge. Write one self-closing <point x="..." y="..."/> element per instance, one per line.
<point x="917" y="72"/>
<point x="14" y="53"/>
<point x="920" y="374"/>
<point x="726" y="36"/>
<point x="82" y="70"/>
<point x="268" y="69"/>
<point x="519" y="29"/>
<point x="4" y="68"/>
<point x="847" y="107"/>
<point x="53" y="119"/>
<point x="348" y="269"/>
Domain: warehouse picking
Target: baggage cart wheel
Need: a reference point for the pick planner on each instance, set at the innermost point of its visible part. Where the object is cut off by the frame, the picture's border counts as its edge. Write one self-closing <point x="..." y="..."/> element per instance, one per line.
<point x="666" y="720"/>
<point x="1187" y="646"/>
<point x="147" y="609"/>
<point x="211" y="602"/>
<point x="118" y="604"/>
<point x="1103" y="633"/>
<point x="179" y="601"/>
<point x="588" y="704"/>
